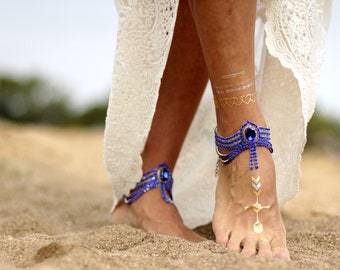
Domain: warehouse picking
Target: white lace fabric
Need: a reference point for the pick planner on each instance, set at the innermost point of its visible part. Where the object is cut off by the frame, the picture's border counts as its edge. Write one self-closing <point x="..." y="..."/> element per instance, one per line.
<point x="290" y="55"/>
<point x="143" y="41"/>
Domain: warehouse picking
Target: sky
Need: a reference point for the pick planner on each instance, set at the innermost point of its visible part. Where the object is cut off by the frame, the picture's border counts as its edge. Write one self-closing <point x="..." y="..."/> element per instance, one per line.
<point x="71" y="44"/>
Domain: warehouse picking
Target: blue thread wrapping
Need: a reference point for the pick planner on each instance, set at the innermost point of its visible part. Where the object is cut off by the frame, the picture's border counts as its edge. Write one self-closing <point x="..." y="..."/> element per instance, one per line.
<point x="159" y="176"/>
<point x="248" y="137"/>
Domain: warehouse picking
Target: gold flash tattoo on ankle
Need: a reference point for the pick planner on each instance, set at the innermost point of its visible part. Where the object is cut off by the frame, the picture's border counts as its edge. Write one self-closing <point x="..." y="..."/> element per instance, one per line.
<point x="257" y="207"/>
<point x="233" y="75"/>
<point x="235" y="101"/>
<point x="220" y="90"/>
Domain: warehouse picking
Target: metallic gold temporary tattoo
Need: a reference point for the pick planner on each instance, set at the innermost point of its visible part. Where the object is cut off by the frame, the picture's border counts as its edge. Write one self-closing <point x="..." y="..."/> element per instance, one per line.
<point x="257" y="207"/>
<point x="233" y="75"/>
<point x="263" y="239"/>
<point x="239" y="86"/>
<point x="236" y="101"/>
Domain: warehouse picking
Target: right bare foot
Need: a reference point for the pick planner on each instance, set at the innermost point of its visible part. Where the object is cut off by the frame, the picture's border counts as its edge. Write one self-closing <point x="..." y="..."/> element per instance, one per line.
<point x="152" y="214"/>
<point x="233" y="225"/>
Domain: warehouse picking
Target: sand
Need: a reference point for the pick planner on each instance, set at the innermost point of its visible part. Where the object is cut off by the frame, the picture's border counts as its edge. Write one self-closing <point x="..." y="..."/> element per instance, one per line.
<point x="55" y="200"/>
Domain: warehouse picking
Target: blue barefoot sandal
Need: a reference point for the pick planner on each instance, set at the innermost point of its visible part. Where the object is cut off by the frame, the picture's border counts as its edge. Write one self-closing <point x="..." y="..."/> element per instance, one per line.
<point x="159" y="176"/>
<point x="248" y="137"/>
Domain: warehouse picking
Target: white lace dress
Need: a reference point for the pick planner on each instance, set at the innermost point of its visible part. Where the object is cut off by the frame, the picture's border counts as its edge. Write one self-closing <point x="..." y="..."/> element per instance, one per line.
<point x="290" y="37"/>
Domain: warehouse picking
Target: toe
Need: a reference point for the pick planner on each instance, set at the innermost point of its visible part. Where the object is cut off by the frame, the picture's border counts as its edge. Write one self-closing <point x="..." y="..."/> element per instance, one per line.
<point x="279" y="249"/>
<point x="234" y="243"/>
<point x="222" y="238"/>
<point x="249" y="247"/>
<point x="264" y="248"/>
<point x="281" y="253"/>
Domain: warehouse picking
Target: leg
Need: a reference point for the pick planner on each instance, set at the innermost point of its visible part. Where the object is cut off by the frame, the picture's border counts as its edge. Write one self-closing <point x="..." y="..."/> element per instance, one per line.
<point x="226" y="32"/>
<point x="183" y="83"/>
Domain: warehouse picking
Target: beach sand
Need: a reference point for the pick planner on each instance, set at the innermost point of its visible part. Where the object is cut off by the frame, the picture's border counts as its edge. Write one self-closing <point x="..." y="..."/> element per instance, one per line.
<point x="55" y="199"/>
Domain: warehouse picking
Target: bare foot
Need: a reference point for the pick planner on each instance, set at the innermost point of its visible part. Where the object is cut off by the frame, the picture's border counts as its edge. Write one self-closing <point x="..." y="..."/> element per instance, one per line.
<point x="233" y="222"/>
<point x="152" y="214"/>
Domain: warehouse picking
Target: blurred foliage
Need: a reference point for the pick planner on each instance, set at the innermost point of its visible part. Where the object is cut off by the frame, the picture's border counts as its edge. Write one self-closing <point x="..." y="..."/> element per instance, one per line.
<point x="94" y="115"/>
<point x="32" y="99"/>
<point x="324" y="132"/>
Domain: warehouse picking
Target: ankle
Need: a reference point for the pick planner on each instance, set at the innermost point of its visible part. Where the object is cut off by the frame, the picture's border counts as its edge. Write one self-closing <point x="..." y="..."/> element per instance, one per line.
<point x="248" y="137"/>
<point x="160" y="178"/>
<point x="230" y="120"/>
<point x="231" y="124"/>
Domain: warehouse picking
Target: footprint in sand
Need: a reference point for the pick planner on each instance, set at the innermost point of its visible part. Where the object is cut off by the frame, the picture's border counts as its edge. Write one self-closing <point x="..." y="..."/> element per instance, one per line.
<point x="51" y="250"/>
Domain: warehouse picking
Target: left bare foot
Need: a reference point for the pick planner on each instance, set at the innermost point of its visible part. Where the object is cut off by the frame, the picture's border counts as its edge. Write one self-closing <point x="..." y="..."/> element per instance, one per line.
<point x="152" y="214"/>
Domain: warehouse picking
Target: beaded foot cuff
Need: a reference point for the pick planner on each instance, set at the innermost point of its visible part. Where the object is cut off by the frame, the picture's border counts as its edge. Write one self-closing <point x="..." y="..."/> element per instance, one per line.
<point x="248" y="137"/>
<point x="159" y="176"/>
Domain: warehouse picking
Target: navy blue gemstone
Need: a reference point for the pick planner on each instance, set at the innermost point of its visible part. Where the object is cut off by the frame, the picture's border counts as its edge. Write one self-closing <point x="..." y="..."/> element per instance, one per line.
<point x="250" y="134"/>
<point x="165" y="175"/>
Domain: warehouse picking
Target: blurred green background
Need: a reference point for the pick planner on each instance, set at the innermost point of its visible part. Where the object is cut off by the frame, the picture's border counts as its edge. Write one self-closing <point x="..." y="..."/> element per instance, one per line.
<point x="33" y="99"/>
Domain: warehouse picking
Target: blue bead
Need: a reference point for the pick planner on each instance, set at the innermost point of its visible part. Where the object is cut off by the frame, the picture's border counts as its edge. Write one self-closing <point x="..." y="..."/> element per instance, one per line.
<point x="250" y="134"/>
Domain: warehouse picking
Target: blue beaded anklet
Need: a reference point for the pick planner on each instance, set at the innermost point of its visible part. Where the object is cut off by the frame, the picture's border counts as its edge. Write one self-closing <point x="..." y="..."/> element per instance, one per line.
<point x="159" y="176"/>
<point x="248" y="137"/>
